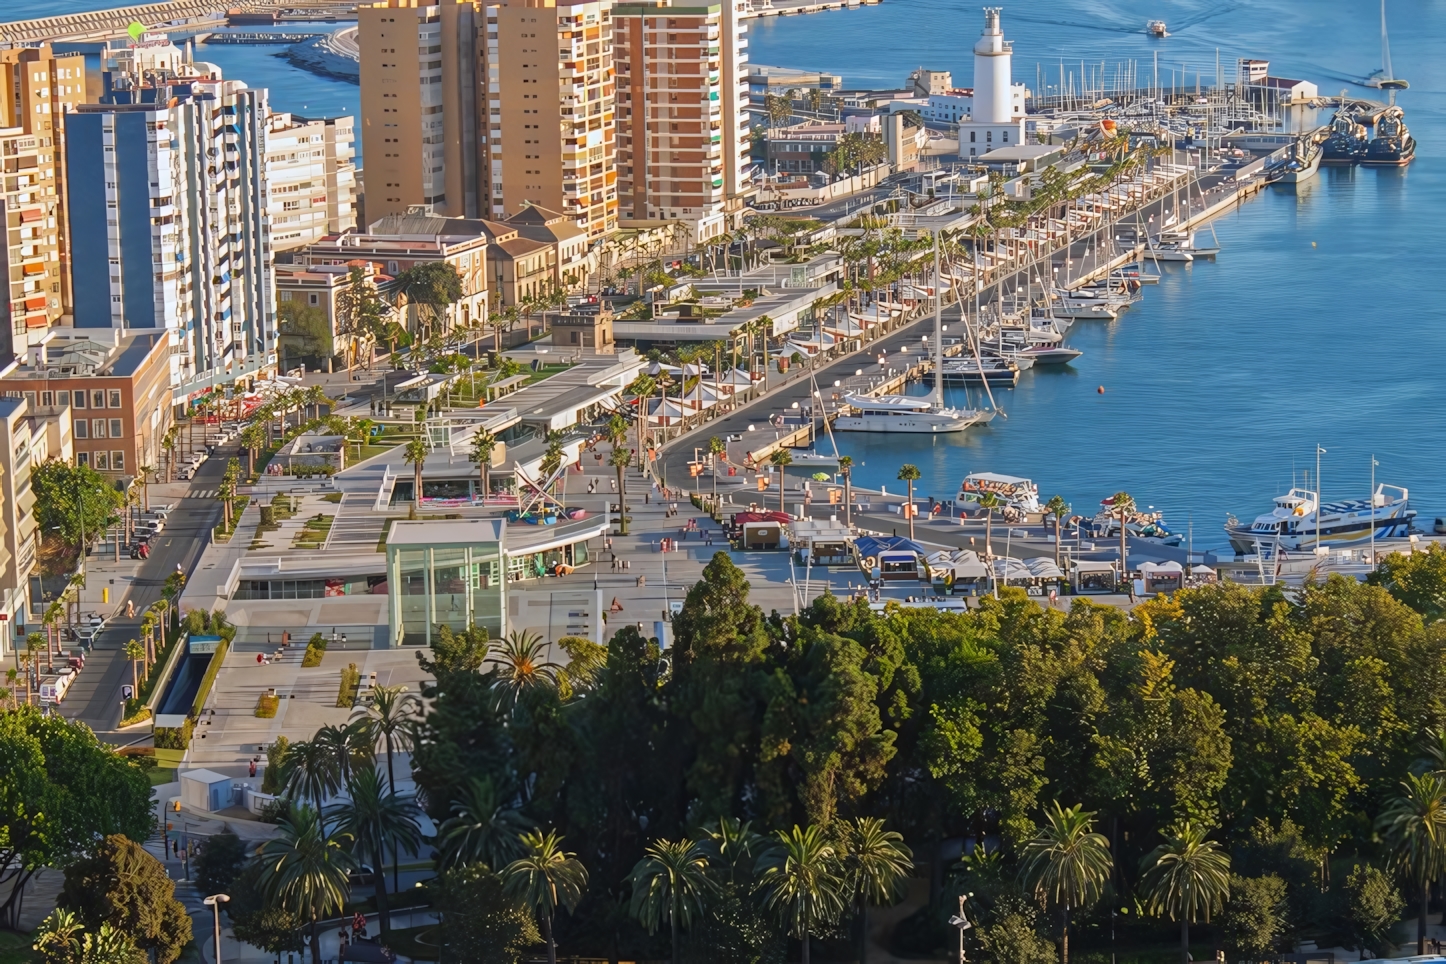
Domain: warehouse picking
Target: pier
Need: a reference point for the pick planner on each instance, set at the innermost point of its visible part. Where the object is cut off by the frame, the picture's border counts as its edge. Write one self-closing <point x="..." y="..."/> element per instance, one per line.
<point x="786" y="8"/>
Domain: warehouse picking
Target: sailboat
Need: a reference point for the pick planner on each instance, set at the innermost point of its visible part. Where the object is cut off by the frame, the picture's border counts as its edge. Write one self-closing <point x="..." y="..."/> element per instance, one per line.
<point x="1385" y="78"/>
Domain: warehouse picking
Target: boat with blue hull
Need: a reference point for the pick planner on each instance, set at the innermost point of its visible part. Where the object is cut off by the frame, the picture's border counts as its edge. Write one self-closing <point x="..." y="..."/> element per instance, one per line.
<point x="1294" y="524"/>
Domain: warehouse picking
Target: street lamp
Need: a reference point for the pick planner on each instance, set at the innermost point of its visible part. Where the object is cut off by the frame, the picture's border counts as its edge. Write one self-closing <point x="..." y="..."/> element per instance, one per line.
<point x="216" y="900"/>
<point x="961" y="922"/>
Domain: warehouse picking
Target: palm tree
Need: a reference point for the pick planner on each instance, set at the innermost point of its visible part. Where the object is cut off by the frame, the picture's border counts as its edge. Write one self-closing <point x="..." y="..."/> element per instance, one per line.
<point x="484" y="826"/>
<point x="350" y="747"/>
<point x="1067" y="864"/>
<point x="1414" y="827"/>
<point x="253" y="436"/>
<point x="910" y="474"/>
<point x="718" y="449"/>
<point x="988" y="501"/>
<point x="733" y="848"/>
<point x="846" y="466"/>
<point x="484" y="443"/>
<point x="309" y="772"/>
<point x="876" y="864"/>
<point x="304" y="869"/>
<point x="782" y="458"/>
<point x="801" y="881"/>
<point x="523" y="664"/>
<point x="415" y="455"/>
<point x="1122" y="504"/>
<point x="619" y="459"/>
<point x="378" y="821"/>
<point x="389" y="718"/>
<point x="671" y="883"/>
<point x="135" y="652"/>
<point x="642" y="387"/>
<point x="1058" y="508"/>
<point x="1186" y="877"/>
<point x="545" y="878"/>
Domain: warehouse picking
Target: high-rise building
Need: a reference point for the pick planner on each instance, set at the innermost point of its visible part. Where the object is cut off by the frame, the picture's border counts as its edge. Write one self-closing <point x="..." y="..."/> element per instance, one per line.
<point x="551" y="133"/>
<point x="168" y="196"/>
<point x="682" y="118"/>
<point x="312" y="177"/>
<point x="419" y="107"/>
<point x="36" y="89"/>
<point x="480" y="109"/>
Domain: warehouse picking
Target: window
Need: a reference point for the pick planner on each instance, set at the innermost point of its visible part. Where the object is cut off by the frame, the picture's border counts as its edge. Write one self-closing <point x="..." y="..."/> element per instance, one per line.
<point x="1006" y="137"/>
<point x="971" y="136"/>
<point x="97" y="399"/>
<point x="313" y="299"/>
<point x="118" y="461"/>
<point x="115" y="428"/>
<point x="47" y="398"/>
<point x="82" y="428"/>
<point x="62" y="398"/>
<point x="80" y="399"/>
<point x="82" y="458"/>
<point x="97" y="428"/>
<point x="285" y="296"/>
<point x="100" y="461"/>
<point x="115" y="398"/>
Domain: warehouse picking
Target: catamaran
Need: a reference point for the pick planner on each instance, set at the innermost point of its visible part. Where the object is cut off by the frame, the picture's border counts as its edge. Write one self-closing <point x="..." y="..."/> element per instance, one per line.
<point x="1294" y="524"/>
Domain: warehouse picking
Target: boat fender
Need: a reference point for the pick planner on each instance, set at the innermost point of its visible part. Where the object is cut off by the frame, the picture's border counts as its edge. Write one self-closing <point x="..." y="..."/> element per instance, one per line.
<point x="871" y="562"/>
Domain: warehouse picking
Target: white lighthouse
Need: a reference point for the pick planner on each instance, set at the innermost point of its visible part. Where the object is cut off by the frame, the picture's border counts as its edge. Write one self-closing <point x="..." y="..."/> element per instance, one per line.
<point x="996" y="117"/>
<point x="992" y="73"/>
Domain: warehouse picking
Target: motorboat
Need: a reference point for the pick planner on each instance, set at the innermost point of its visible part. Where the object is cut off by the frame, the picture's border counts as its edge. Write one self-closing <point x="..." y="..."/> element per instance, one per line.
<point x="1294" y="524"/>
<point x="1347" y="141"/>
<point x="1049" y="354"/>
<point x="1016" y="493"/>
<point x="1393" y="145"/>
<point x="1302" y="165"/>
<point x="1156" y="28"/>
<point x="970" y="371"/>
<point x="1180" y="246"/>
<point x="903" y="413"/>
<point x="1139" y="525"/>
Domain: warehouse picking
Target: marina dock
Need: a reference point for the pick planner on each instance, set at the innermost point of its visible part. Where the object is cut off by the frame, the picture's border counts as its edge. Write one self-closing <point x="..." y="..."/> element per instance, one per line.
<point x="786" y="8"/>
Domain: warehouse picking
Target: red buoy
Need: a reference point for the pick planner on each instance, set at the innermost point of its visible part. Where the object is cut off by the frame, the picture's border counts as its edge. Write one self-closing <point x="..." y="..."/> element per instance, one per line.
<point x="1101" y="389"/>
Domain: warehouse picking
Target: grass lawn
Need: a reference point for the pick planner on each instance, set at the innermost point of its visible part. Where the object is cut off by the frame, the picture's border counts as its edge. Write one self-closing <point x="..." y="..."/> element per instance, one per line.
<point x="414" y="942"/>
<point x="15" y="948"/>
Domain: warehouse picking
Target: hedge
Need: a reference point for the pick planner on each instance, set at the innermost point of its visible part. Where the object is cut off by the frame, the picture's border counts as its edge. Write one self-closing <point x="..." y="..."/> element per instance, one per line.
<point x="315" y="650"/>
<point x="173" y="737"/>
<point x="350" y="680"/>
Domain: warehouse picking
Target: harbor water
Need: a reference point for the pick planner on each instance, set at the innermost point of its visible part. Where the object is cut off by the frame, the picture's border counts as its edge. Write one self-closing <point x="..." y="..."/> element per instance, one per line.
<point x="1321" y="322"/>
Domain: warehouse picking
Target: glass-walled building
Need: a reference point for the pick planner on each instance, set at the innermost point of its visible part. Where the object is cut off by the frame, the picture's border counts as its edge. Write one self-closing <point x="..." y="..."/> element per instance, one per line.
<point x="445" y="573"/>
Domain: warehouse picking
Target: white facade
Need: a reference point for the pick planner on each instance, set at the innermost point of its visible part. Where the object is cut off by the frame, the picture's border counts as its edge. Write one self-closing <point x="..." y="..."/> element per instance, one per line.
<point x="311" y="171"/>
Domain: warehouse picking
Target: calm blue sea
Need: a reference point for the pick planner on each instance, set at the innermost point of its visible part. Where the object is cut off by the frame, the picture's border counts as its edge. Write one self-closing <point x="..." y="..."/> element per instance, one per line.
<point x="1322" y="322"/>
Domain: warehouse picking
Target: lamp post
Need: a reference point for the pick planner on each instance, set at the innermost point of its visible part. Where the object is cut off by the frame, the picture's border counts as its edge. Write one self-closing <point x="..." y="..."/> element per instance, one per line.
<point x="214" y="902"/>
<point x="961" y="922"/>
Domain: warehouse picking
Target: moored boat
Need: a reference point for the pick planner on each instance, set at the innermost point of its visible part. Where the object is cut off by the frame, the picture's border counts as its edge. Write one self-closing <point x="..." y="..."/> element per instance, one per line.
<point x="1294" y="523"/>
<point x="1393" y="145"/>
<point x="906" y="414"/>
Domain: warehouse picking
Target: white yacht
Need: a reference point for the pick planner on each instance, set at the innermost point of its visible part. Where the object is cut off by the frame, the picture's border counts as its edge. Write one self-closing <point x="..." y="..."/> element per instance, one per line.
<point x="902" y="413"/>
<point x="1293" y="524"/>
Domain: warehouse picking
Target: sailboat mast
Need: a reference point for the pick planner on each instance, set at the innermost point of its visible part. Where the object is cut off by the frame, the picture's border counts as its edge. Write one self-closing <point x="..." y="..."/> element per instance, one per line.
<point x="938" y="330"/>
<point x="1385" y="45"/>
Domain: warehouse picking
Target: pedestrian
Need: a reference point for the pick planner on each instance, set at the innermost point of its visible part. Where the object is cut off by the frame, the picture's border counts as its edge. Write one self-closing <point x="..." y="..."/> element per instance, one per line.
<point x="614" y="483"/>
<point x="260" y="659"/>
<point x="253" y="768"/>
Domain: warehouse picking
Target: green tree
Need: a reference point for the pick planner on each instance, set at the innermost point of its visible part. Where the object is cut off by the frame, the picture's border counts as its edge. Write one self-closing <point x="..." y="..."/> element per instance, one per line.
<point x="304" y="333"/>
<point x="876" y="863"/>
<point x="801" y="881"/>
<point x="909" y="474"/>
<point x="781" y="459"/>
<point x="1058" y="509"/>
<point x="642" y="388"/>
<point x="303" y="869"/>
<point x="433" y="286"/>
<point x="485" y="826"/>
<point x="136" y="653"/>
<point x="73" y="499"/>
<point x="255" y="920"/>
<point x="456" y="651"/>
<point x="479" y="923"/>
<point x="523" y="665"/>
<point x="1067" y="865"/>
<point x="1413" y="826"/>
<point x="362" y="313"/>
<point x="61" y="939"/>
<point x="62" y="791"/>
<point x="1418" y="579"/>
<point x="415" y="455"/>
<point x="1186" y="877"/>
<point x="1013" y="937"/>
<point x="671" y="884"/>
<point x="388" y="719"/>
<point x="125" y="887"/>
<point x="544" y="879"/>
<point x="219" y="863"/>
<point x="378" y="822"/>
<point x="484" y="443"/>
<point x="1372" y="909"/>
<point x="846" y="466"/>
<point x="1253" y="921"/>
<point x="310" y="772"/>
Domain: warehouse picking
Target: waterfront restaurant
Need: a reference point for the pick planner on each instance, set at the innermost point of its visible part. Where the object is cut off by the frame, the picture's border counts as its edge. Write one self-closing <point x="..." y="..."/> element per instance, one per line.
<point x="445" y="573"/>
